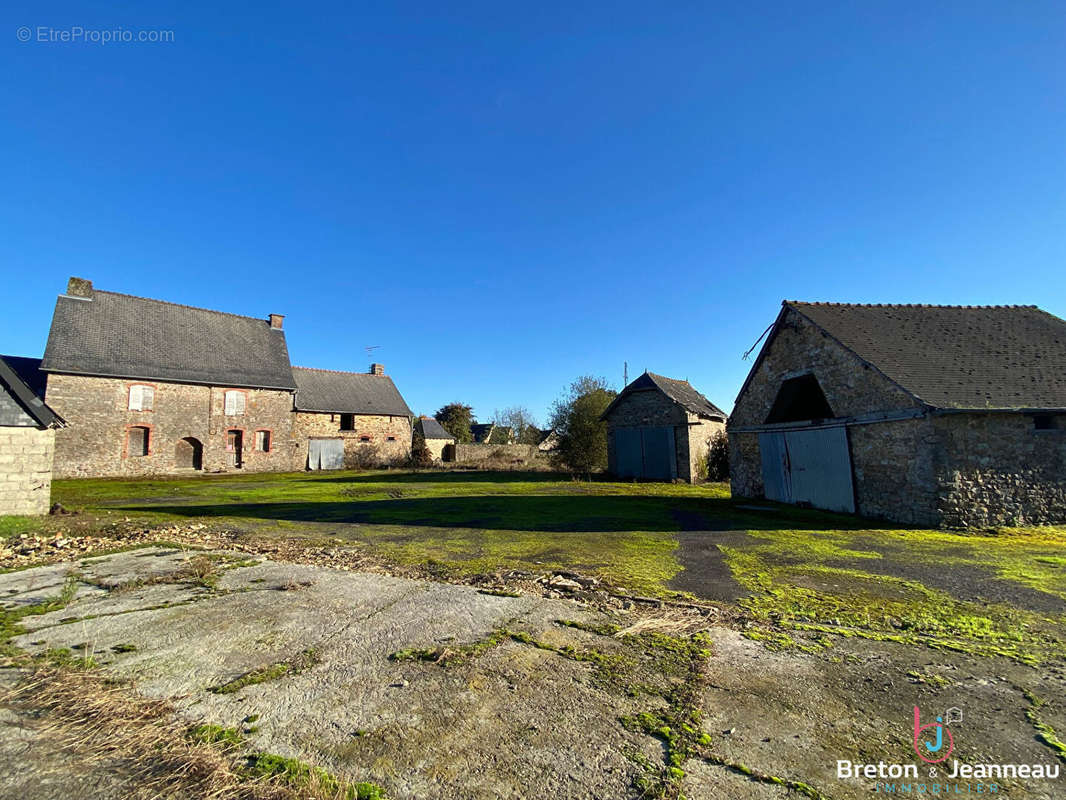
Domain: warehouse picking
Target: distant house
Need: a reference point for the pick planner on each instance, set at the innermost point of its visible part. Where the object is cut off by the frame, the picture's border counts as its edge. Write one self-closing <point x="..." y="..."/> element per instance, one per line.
<point x="548" y="440"/>
<point x="929" y="415"/>
<point x="660" y="428"/>
<point x="349" y="419"/>
<point x="440" y="443"/>
<point x="149" y="387"/>
<point x="27" y="438"/>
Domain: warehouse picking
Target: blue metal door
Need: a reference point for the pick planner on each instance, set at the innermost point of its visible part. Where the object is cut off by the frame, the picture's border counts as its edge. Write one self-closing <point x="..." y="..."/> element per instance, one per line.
<point x="628" y="457"/>
<point x="776" y="480"/>
<point x="660" y="457"/>
<point x="820" y="468"/>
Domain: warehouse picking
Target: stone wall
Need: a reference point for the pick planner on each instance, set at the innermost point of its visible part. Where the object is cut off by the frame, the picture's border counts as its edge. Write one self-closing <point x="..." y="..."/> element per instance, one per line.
<point x="436" y="448"/>
<point x="389" y="445"/>
<point x="26" y="469"/>
<point x="997" y="469"/>
<point x="94" y="443"/>
<point x="522" y="455"/>
<point x="892" y="465"/>
<point x="694" y="445"/>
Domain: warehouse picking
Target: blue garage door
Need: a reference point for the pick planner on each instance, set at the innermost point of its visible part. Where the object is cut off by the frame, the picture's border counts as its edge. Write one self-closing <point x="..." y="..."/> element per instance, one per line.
<point x="647" y="453"/>
<point x="811" y="466"/>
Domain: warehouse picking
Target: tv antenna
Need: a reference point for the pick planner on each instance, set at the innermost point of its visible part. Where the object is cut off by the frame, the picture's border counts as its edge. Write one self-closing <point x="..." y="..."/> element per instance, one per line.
<point x="625" y="373"/>
<point x="370" y="350"/>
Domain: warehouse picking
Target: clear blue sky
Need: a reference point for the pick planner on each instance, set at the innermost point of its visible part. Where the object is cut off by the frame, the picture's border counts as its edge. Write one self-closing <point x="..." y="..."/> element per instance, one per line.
<point x="505" y="196"/>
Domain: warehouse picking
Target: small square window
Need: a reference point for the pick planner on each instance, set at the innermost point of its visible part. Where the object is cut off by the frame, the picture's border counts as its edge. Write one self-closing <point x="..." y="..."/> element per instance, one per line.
<point x="262" y="441"/>
<point x="364" y="438"/>
<point x="347" y="422"/>
<point x="1044" y="422"/>
<point x="390" y="438"/>
<point x="234" y="402"/>
<point x="141" y="398"/>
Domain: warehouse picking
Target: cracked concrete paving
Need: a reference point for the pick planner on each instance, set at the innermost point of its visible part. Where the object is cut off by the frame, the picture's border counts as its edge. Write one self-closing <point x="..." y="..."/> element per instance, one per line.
<point x="523" y="718"/>
<point x="515" y="722"/>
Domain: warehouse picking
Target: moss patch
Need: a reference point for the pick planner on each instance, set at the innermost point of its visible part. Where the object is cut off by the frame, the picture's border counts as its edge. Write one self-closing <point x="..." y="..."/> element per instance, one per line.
<point x="271" y="672"/>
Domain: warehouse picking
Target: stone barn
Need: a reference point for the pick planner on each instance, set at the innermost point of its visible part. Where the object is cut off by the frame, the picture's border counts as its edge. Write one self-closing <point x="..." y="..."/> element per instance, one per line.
<point x="440" y="443"/>
<point x="27" y="438"/>
<point x="149" y="387"/>
<point x="349" y="420"/>
<point x="660" y="429"/>
<point x="949" y="416"/>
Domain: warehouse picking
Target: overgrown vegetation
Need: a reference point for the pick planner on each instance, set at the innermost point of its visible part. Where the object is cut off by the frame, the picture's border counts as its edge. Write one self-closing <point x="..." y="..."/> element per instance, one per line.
<point x="575" y="417"/>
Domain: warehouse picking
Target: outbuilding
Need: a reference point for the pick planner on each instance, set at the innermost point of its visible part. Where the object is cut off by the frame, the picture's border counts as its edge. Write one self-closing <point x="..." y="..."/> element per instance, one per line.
<point x="27" y="438"/>
<point x="949" y="416"/>
<point x="660" y="429"/>
<point x="439" y="442"/>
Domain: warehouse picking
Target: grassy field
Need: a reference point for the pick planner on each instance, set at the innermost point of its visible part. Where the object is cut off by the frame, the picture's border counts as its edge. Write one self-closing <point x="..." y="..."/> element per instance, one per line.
<point x="806" y="576"/>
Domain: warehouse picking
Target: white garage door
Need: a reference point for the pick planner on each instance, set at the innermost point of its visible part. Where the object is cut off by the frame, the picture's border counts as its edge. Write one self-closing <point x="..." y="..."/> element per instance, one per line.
<point x="811" y="466"/>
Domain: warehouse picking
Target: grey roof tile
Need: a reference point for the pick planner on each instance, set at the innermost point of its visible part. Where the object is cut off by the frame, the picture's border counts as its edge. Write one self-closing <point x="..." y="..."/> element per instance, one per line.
<point x="972" y="357"/>
<point x="680" y="392"/>
<point x="347" y="393"/>
<point x="118" y="335"/>
<point x="431" y="429"/>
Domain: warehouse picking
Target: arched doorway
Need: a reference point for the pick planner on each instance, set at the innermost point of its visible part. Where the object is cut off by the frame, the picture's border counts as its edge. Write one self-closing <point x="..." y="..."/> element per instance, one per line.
<point x="189" y="454"/>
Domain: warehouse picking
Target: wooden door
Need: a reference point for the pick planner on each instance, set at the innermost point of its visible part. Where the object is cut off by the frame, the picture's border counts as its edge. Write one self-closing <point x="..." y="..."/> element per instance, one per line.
<point x="235" y="448"/>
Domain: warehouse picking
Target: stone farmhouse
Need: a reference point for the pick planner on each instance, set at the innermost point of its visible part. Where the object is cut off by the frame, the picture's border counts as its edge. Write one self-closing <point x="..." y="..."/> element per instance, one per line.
<point x="27" y="439"/>
<point x="948" y="416"/>
<point x="660" y="429"/>
<point x="149" y="387"/>
<point x="354" y="419"/>
<point x="439" y="442"/>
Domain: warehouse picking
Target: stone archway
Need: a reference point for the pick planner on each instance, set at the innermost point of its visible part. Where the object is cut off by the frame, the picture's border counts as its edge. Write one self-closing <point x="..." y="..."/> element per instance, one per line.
<point x="189" y="454"/>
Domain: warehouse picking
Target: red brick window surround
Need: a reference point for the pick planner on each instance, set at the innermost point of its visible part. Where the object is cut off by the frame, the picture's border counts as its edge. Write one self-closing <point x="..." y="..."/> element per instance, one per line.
<point x="138" y="442"/>
<point x="366" y="438"/>
<point x="234" y="402"/>
<point x="264" y="440"/>
<point x="141" y="397"/>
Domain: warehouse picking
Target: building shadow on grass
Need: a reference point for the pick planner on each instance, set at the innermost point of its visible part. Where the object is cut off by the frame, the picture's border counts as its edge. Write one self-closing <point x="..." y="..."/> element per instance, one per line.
<point x="591" y="513"/>
<point x="450" y="476"/>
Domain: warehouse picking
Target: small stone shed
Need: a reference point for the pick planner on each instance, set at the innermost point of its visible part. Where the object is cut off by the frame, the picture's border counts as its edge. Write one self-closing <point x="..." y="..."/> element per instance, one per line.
<point x="440" y="443"/>
<point x="660" y="429"/>
<point x="950" y="416"/>
<point x="27" y="438"/>
<point x="353" y="420"/>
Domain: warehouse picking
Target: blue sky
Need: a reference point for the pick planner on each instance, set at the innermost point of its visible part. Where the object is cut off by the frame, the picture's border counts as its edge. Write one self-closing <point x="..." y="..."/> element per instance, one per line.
<point x="506" y="196"/>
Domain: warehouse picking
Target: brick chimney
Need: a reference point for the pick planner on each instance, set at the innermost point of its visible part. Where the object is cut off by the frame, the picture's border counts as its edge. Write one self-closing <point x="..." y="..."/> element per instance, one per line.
<point x="377" y="369"/>
<point x="80" y="287"/>
<point x="276" y="321"/>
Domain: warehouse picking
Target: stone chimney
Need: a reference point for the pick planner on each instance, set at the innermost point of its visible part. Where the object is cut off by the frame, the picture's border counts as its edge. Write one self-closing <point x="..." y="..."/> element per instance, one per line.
<point x="80" y="287"/>
<point x="377" y="369"/>
<point x="276" y="321"/>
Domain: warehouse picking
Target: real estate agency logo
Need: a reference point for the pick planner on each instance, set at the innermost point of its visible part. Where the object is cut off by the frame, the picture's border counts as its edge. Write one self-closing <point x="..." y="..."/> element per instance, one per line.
<point x="934" y="743"/>
<point x="926" y="749"/>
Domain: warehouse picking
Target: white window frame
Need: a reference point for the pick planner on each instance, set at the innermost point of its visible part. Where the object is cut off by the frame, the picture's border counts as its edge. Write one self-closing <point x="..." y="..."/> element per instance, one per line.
<point x="233" y="403"/>
<point x="141" y="397"/>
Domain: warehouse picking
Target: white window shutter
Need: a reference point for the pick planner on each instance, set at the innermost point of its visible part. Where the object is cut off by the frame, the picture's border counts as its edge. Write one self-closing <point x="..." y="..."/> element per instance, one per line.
<point x="231" y="403"/>
<point x="136" y="398"/>
<point x="147" y="398"/>
<point x="240" y="402"/>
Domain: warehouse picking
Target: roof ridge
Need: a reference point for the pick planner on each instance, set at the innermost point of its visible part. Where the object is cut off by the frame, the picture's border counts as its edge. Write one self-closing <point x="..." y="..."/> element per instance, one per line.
<point x="902" y="305"/>
<point x="264" y="320"/>
<point x="340" y="372"/>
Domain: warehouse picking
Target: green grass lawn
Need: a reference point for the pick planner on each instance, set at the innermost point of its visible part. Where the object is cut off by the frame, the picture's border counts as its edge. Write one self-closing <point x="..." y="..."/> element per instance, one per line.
<point x="801" y="573"/>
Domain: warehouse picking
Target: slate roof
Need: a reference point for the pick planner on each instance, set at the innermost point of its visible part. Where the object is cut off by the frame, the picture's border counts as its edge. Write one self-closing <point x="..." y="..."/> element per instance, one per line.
<point x="347" y="393"/>
<point x="956" y="357"/>
<point x="680" y="392"/>
<point x="121" y="336"/>
<point x="431" y="429"/>
<point x="19" y="401"/>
